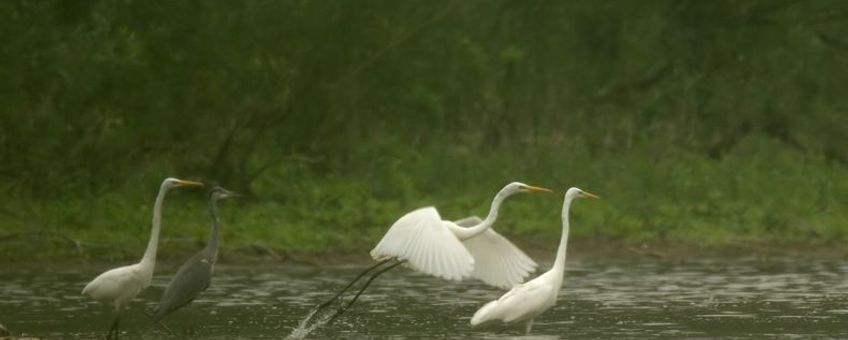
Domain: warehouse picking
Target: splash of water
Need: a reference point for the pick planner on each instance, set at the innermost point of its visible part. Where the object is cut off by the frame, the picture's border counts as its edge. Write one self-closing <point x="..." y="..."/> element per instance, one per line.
<point x="304" y="328"/>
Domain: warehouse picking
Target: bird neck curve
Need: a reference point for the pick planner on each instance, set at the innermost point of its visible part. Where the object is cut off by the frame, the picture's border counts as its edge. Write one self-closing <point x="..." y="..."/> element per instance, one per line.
<point x="149" y="258"/>
<point x="466" y="233"/>
<point x="559" y="263"/>
<point x="212" y="245"/>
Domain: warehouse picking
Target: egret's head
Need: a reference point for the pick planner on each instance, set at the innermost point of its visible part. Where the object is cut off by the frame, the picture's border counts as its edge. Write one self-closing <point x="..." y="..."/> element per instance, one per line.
<point x="171" y="182"/>
<point x="221" y="193"/>
<point x="516" y="187"/>
<point x="579" y="193"/>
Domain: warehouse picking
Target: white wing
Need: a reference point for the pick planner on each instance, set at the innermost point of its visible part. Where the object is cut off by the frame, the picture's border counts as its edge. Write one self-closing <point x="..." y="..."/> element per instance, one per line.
<point x="497" y="261"/>
<point x="422" y="238"/>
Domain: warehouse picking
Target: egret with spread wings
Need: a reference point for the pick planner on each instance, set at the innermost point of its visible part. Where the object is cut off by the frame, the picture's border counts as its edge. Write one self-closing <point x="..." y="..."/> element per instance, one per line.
<point x="425" y="242"/>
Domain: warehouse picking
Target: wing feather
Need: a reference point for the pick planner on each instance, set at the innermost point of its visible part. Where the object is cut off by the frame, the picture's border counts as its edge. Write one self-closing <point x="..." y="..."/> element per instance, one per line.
<point x="497" y="261"/>
<point x="421" y="238"/>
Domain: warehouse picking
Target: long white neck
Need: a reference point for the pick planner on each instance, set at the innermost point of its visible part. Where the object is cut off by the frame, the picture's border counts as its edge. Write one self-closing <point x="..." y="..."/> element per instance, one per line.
<point x="466" y="233"/>
<point x="559" y="263"/>
<point x="149" y="259"/>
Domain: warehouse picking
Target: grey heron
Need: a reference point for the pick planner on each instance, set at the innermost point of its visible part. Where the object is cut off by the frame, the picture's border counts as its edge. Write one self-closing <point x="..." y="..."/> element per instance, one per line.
<point x="194" y="275"/>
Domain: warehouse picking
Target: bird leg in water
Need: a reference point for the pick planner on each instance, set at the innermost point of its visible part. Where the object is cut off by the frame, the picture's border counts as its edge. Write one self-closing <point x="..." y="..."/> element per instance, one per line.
<point x="159" y="323"/>
<point x="337" y="296"/>
<point x="367" y="283"/>
<point x="114" y="328"/>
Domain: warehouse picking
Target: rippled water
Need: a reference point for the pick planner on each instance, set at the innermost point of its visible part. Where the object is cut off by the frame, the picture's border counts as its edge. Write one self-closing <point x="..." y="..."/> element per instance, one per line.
<point x="601" y="299"/>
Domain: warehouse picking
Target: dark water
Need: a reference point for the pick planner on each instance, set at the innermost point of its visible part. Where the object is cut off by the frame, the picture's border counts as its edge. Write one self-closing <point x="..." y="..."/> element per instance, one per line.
<point x="745" y="298"/>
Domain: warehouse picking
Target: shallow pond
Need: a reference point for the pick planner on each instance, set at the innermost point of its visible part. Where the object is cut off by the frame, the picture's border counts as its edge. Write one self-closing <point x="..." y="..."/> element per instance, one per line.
<point x="624" y="298"/>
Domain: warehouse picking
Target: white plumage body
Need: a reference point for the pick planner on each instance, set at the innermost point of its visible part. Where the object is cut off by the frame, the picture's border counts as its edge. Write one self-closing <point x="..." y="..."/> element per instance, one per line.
<point x="523" y="302"/>
<point x="120" y="285"/>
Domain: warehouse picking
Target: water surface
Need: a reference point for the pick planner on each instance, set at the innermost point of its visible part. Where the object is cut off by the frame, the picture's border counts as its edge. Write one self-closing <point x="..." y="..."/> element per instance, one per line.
<point x="641" y="297"/>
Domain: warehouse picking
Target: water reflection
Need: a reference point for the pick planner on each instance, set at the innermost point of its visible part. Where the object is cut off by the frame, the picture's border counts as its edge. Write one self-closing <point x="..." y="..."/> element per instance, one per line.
<point x="609" y="299"/>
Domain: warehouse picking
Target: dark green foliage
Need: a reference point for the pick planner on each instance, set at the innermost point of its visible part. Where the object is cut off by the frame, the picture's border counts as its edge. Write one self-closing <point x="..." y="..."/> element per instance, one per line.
<point x="718" y="119"/>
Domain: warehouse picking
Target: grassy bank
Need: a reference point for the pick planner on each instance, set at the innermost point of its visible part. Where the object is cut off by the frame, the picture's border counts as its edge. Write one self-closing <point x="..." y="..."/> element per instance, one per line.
<point x="706" y="123"/>
<point x="761" y="192"/>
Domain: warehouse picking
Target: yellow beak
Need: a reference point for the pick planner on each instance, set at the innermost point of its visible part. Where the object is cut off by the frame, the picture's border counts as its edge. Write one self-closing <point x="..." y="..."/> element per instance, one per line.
<point x="184" y="183"/>
<point x="537" y="189"/>
<point x="591" y="195"/>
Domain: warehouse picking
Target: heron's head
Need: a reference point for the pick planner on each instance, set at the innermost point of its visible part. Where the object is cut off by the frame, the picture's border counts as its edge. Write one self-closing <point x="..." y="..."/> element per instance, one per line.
<point x="221" y="193"/>
<point x="171" y="182"/>
<point x="516" y="187"/>
<point x="579" y="193"/>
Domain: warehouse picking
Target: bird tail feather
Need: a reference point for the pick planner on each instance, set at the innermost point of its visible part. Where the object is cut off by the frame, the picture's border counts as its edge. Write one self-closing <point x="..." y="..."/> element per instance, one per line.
<point x="483" y="314"/>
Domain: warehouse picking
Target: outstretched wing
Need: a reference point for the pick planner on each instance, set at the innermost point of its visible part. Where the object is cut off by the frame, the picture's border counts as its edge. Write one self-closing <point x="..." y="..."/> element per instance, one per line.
<point x="422" y="239"/>
<point x="497" y="261"/>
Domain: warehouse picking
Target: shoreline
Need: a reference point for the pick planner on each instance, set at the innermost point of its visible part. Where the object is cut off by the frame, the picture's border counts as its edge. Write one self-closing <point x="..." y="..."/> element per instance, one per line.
<point x="581" y="250"/>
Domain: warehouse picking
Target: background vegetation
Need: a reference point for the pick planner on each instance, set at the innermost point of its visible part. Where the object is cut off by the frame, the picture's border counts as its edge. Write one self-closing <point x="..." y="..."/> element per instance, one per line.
<point x="699" y="122"/>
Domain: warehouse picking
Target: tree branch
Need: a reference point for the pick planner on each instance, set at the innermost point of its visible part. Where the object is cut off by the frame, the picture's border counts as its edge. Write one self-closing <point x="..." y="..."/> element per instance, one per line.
<point x="832" y="42"/>
<point x="11" y="236"/>
<point x="392" y="44"/>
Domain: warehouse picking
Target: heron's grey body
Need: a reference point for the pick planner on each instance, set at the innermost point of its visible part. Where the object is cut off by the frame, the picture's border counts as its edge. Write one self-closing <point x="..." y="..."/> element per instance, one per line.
<point x="191" y="279"/>
<point x="194" y="275"/>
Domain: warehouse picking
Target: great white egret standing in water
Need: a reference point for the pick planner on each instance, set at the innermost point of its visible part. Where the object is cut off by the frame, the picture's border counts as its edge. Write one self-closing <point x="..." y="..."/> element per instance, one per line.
<point x="451" y="250"/>
<point x="526" y="301"/>
<point x="120" y="285"/>
<point x="195" y="274"/>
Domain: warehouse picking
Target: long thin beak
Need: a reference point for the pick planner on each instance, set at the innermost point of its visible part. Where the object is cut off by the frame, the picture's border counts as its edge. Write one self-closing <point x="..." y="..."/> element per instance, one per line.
<point x="190" y="183"/>
<point x="537" y="189"/>
<point x="591" y="195"/>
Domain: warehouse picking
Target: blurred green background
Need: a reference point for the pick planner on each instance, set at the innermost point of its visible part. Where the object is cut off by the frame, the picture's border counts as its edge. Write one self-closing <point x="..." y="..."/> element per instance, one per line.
<point x="703" y="123"/>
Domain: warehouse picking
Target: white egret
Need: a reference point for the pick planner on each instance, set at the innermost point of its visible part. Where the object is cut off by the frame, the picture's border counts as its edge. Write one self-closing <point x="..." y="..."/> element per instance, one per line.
<point x="526" y="301"/>
<point x="120" y="285"/>
<point x="425" y="242"/>
<point x="194" y="275"/>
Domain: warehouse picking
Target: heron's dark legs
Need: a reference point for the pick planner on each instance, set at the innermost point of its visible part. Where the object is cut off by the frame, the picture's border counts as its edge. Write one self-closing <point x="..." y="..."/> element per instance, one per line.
<point x="367" y="283"/>
<point x="325" y="304"/>
<point x="159" y="323"/>
<point x="337" y="296"/>
<point x="194" y="315"/>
